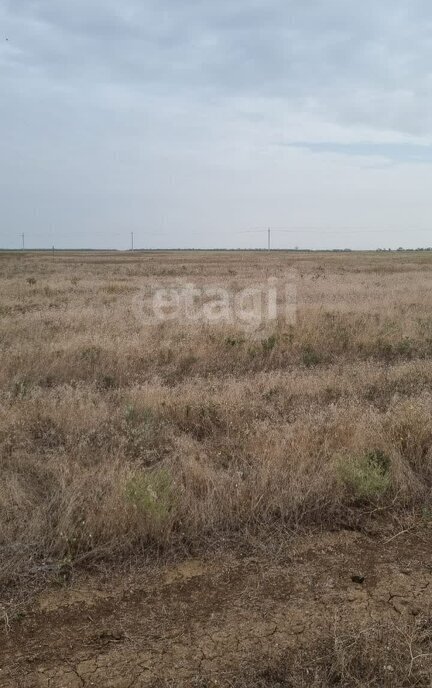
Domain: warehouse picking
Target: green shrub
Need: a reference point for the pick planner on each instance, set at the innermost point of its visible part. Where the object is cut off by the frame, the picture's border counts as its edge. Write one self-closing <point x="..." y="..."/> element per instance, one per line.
<point x="151" y="493"/>
<point x="91" y="354"/>
<point x="366" y="476"/>
<point x="233" y="341"/>
<point x="107" y="382"/>
<point x="269" y="343"/>
<point x="310" y="357"/>
<point x="20" y="389"/>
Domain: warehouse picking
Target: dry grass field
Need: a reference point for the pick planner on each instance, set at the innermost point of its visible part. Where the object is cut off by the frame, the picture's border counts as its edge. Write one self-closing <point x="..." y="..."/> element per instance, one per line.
<point x="123" y="438"/>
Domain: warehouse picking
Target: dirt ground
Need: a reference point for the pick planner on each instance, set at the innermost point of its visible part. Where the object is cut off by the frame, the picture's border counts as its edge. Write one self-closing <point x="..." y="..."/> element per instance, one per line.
<point x="201" y="622"/>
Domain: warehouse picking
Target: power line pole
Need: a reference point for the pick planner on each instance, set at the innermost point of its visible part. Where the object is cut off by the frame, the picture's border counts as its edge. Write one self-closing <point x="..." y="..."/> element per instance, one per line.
<point x="269" y="239"/>
<point x="22" y="240"/>
<point x="132" y="241"/>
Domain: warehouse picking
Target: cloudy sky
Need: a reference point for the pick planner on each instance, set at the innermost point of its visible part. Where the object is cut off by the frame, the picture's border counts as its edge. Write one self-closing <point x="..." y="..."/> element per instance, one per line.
<point x="190" y="121"/>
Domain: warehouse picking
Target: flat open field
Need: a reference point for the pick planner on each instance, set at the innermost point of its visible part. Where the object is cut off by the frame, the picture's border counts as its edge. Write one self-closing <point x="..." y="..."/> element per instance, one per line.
<point x="194" y="501"/>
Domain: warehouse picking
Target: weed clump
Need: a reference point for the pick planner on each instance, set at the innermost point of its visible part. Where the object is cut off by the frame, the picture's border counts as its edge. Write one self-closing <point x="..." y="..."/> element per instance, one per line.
<point x="310" y="357"/>
<point x="151" y="494"/>
<point x="366" y="476"/>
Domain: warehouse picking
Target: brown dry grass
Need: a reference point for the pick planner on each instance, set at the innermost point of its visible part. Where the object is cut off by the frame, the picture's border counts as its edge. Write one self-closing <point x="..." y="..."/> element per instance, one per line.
<point x="117" y="435"/>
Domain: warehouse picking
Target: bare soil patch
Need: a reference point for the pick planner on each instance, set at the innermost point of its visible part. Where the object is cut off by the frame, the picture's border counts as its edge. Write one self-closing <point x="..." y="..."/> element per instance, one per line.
<point x="231" y="621"/>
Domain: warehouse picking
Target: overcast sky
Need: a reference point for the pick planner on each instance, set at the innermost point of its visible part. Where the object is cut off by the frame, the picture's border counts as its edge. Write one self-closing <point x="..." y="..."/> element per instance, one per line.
<point x="188" y="121"/>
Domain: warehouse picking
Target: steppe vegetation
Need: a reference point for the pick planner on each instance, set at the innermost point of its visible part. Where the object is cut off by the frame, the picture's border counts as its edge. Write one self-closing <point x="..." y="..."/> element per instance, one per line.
<point x="120" y="436"/>
<point x="219" y="450"/>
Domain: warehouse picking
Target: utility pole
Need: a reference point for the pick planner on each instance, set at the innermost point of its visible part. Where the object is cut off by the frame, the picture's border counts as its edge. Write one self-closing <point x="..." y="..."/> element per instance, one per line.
<point x="132" y="241"/>
<point x="22" y="239"/>
<point x="269" y="239"/>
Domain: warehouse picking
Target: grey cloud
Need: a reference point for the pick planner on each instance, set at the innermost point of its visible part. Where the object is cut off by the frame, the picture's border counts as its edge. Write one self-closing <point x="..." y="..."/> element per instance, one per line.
<point x="147" y="96"/>
<point x="324" y="51"/>
<point x="365" y="63"/>
<point x="391" y="152"/>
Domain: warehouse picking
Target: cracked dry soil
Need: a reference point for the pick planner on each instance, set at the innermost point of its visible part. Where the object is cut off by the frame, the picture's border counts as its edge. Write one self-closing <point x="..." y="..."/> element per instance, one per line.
<point x="204" y="620"/>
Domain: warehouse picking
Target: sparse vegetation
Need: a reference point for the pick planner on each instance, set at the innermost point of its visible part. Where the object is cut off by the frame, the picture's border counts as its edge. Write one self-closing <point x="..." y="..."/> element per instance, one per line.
<point x="120" y="436"/>
<point x="151" y="494"/>
<point x="295" y="425"/>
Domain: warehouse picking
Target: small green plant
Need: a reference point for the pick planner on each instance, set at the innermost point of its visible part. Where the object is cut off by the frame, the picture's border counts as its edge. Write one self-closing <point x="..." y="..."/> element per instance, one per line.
<point x="79" y="539"/>
<point x="152" y="494"/>
<point x="384" y="349"/>
<point x="20" y="389"/>
<point x="366" y="476"/>
<point x="310" y="357"/>
<point x="405" y="347"/>
<point x="107" y="382"/>
<point x="91" y="354"/>
<point x="233" y="341"/>
<point x="139" y="416"/>
<point x="272" y="393"/>
<point x="289" y="335"/>
<point x="131" y="414"/>
<point x="269" y="343"/>
<point x="115" y="288"/>
<point x="64" y="570"/>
